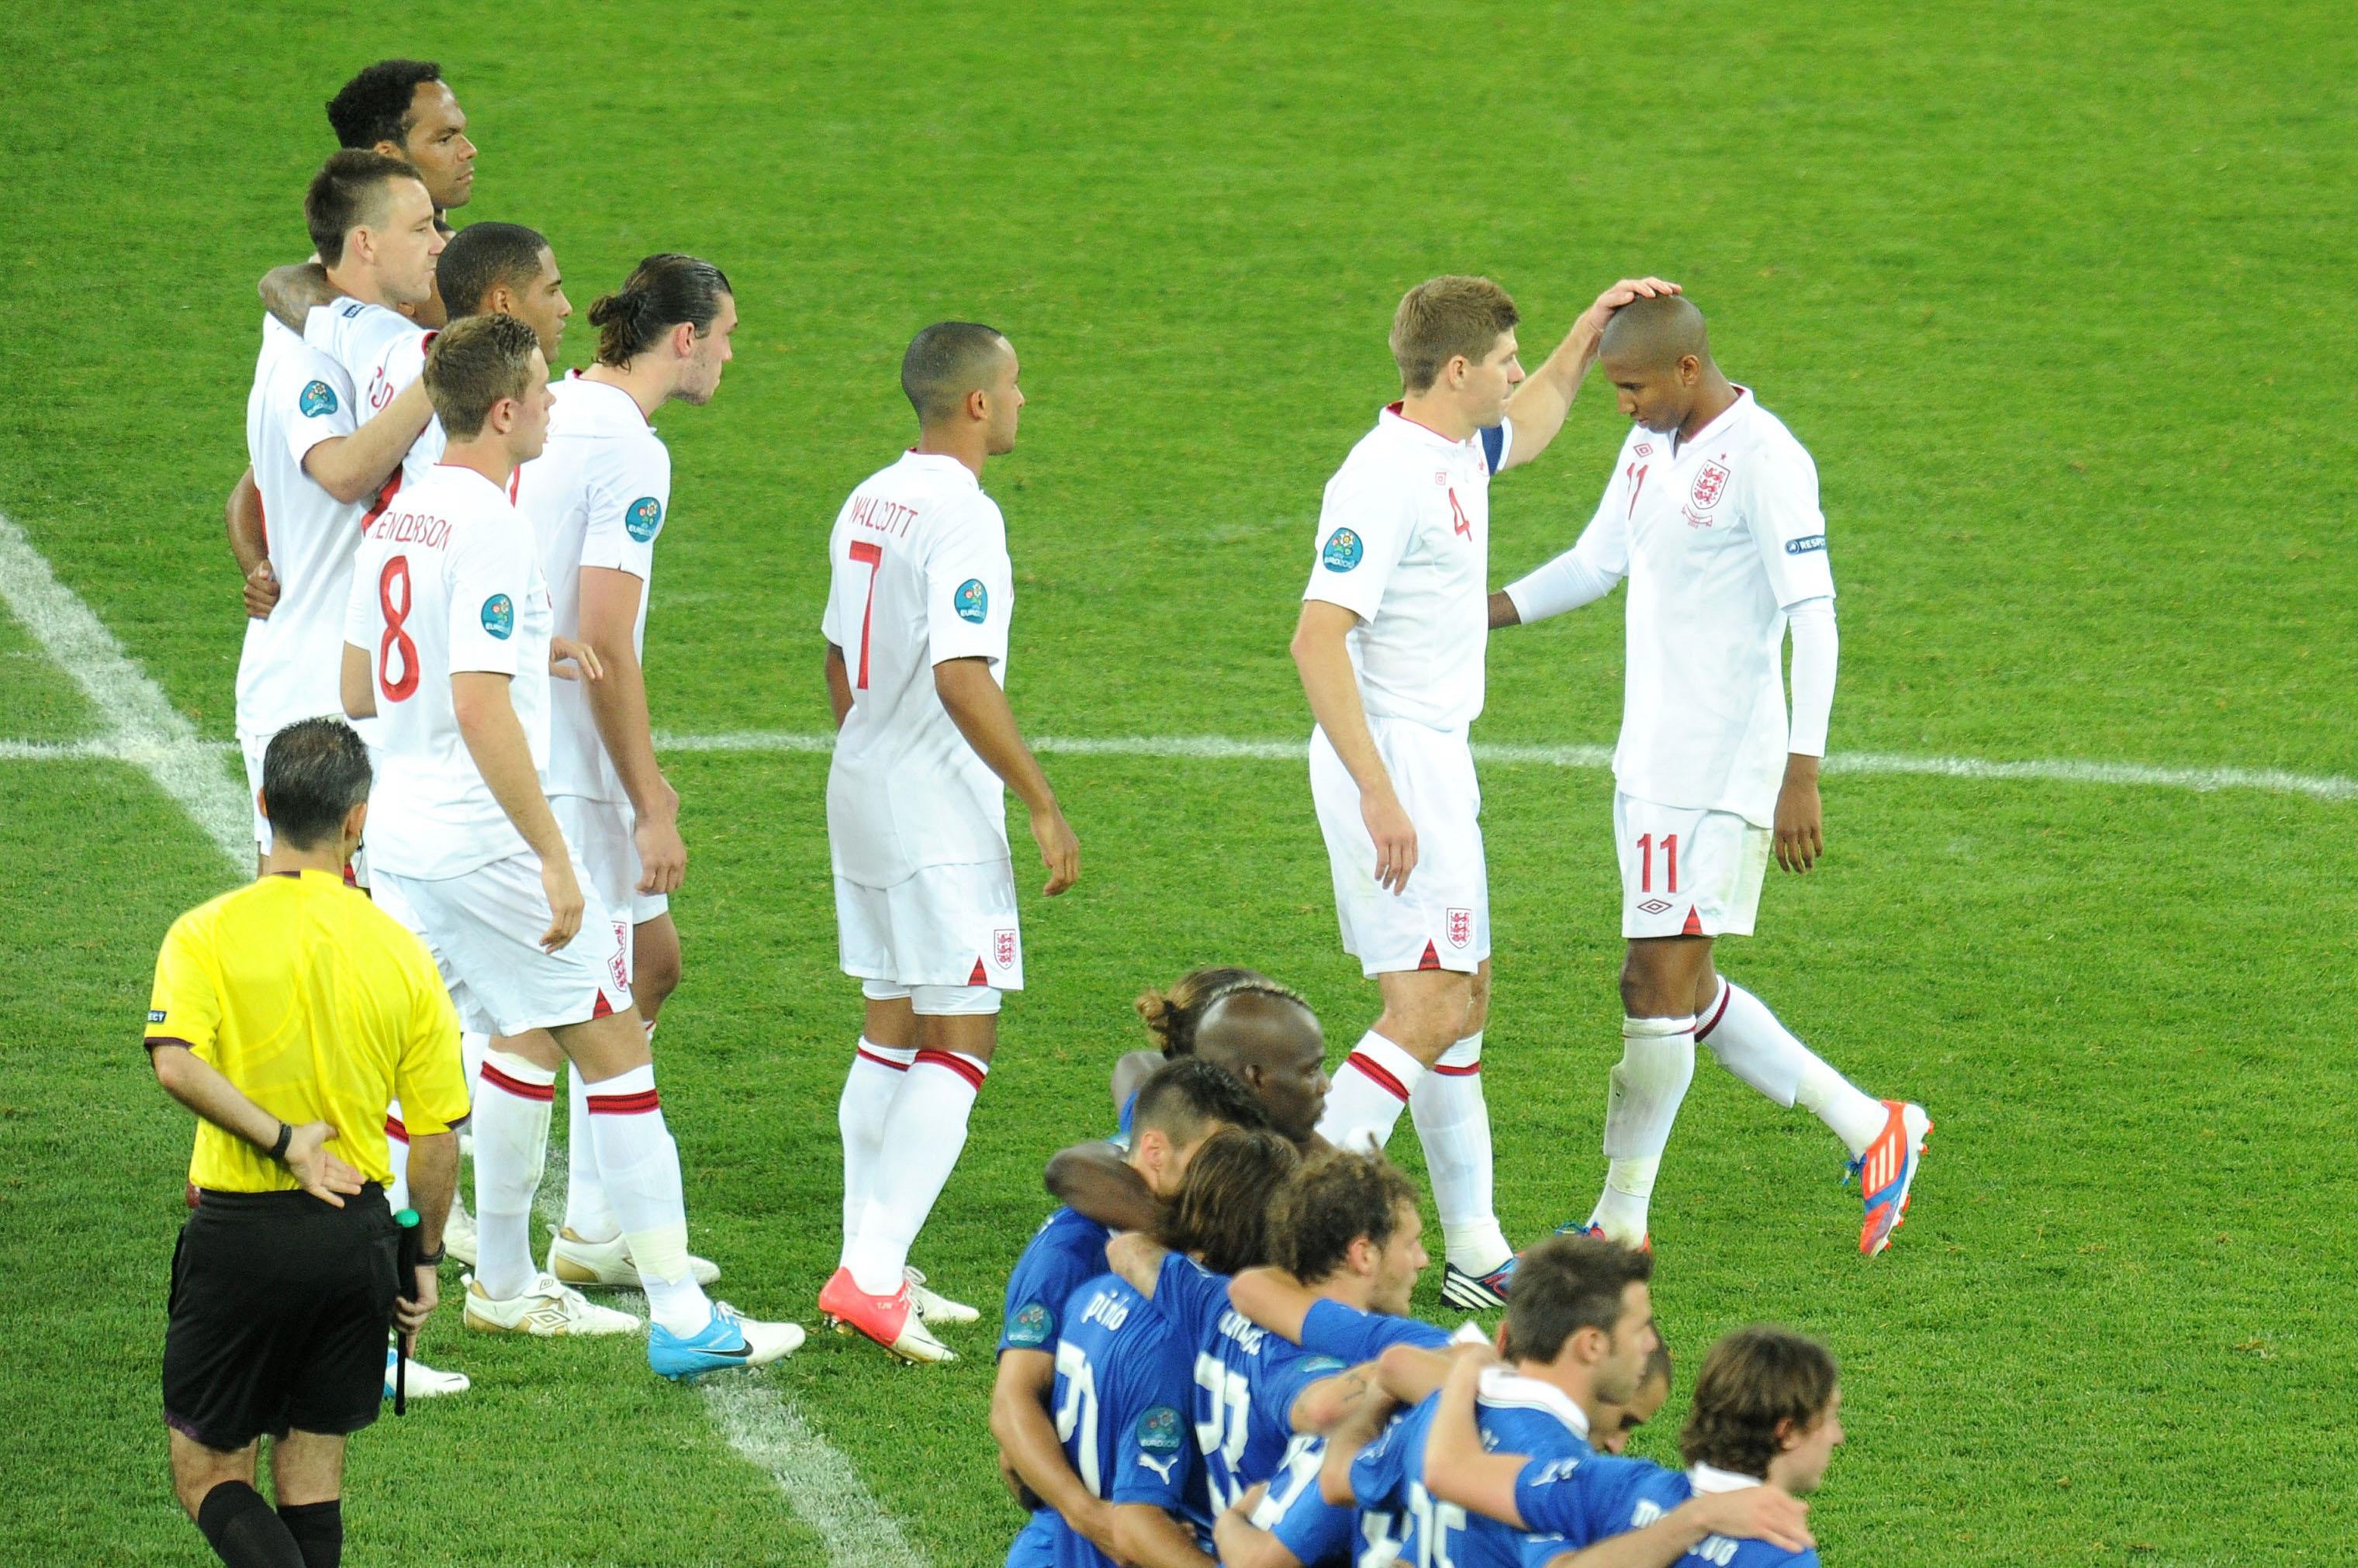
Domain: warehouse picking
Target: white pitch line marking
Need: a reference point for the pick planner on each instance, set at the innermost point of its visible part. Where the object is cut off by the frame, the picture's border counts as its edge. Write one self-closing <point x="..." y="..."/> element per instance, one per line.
<point x="146" y="731"/>
<point x="2273" y="780"/>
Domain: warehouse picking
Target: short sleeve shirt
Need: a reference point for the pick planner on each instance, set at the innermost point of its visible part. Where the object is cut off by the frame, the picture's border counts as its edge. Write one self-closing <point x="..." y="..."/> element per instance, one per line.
<point x="319" y="1007"/>
<point x="447" y="583"/>
<point x="1404" y="543"/>
<point x="598" y="495"/>
<point x="1066" y="1252"/>
<point x="918" y="574"/>
<point x="288" y="668"/>
<point x="1121" y="1403"/>
<point x="382" y="350"/>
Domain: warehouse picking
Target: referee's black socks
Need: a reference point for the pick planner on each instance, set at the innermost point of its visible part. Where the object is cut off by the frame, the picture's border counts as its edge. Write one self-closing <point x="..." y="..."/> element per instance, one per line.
<point x="245" y="1533"/>
<point x="318" y="1531"/>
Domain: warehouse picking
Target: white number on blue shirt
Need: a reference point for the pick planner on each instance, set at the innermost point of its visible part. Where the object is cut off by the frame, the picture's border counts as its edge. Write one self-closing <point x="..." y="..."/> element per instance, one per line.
<point x="1223" y="1437"/>
<point x="1079" y="1413"/>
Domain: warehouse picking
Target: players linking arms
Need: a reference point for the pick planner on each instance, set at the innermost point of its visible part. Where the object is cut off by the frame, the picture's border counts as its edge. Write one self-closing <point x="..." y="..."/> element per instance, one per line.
<point x="1764" y="1402"/>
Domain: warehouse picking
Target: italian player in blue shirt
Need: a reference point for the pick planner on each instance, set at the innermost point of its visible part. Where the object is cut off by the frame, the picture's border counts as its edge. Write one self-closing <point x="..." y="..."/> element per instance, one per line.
<point x="1178" y="1108"/>
<point x="1579" y="1332"/>
<point x="1765" y="1423"/>
<point x="1255" y="1390"/>
<point x="1122" y="1375"/>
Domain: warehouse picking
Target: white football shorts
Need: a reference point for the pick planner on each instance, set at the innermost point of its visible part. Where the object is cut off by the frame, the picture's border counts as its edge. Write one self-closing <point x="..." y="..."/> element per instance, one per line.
<point x="483" y="929"/>
<point x="1443" y="920"/>
<point x="944" y="926"/>
<point x="599" y="833"/>
<point x="254" y="745"/>
<point x="1687" y="872"/>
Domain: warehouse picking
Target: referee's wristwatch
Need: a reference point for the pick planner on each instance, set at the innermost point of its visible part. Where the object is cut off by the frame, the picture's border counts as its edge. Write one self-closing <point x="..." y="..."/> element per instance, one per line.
<point x="286" y="1136"/>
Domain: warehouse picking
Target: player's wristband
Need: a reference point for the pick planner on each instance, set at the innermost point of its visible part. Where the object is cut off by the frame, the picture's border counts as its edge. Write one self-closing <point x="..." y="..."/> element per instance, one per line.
<point x="433" y="1259"/>
<point x="286" y="1136"/>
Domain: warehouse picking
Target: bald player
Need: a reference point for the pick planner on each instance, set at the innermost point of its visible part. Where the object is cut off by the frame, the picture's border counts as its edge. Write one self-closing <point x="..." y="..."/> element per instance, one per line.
<point x="1258" y="1029"/>
<point x="1712" y="514"/>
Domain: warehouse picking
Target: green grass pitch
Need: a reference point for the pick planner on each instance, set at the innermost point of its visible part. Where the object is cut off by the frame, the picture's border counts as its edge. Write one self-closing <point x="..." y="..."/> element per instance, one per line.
<point x="2059" y="297"/>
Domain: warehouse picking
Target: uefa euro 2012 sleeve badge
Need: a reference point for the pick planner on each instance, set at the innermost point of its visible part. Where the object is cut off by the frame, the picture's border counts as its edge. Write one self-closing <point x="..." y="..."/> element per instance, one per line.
<point x="498" y="616"/>
<point x="317" y="400"/>
<point x="1343" y="551"/>
<point x="644" y="519"/>
<point x="973" y="601"/>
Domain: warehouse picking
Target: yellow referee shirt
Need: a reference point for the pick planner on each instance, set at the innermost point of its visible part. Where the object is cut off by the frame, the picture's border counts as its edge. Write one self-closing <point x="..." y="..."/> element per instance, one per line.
<point x="320" y="1006"/>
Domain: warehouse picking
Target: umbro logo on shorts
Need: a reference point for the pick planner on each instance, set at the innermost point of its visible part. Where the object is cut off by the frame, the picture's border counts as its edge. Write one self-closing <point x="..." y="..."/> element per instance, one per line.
<point x="1654" y="906"/>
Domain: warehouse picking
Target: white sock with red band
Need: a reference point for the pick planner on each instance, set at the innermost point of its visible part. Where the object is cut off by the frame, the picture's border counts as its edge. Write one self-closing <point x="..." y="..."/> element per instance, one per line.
<point x="876" y="1075"/>
<point x="511" y="1143"/>
<point x="587" y="1213"/>
<point x="926" y="1129"/>
<point x="1371" y="1091"/>
<point x="1748" y="1041"/>
<point x="1453" y="1122"/>
<point x="1641" y="1103"/>
<point x="640" y="1166"/>
<point x="396" y="1153"/>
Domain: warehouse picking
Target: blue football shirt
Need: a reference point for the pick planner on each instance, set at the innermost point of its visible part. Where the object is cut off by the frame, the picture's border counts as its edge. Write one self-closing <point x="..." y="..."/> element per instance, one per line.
<point x="1121" y="1404"/>
<point x="1516" y="1415"/>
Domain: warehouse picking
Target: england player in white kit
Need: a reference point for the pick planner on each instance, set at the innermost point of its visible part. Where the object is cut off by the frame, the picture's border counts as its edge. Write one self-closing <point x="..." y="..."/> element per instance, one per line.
<point x="1712" y="514"/>
<point x="448" y="640"/>
<point x="1391" y="648"/>
<point x="920" y="595"/>
<point x="598" y="498"/>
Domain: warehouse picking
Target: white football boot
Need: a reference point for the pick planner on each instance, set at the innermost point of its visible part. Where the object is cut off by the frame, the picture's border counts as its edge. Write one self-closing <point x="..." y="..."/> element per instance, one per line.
<point x="608" y="1264"/>
<point x="934" y="1307"/>
<point x="547" y="1310"/>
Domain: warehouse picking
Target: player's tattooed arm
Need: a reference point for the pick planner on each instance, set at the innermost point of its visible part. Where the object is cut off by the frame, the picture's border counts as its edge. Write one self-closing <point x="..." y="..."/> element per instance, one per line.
<point x="1328" y="1402"/>
<point x="289" y="292"/>
<point x="250" y="547"/>
<point x="1408" y="1374"/>
<point x="1273" y="1299"/>
<point x="1343" y="1446"/>
<point x="1093" y="1180"/>
<point x="1457" y="1469"/>
<point x="1138" y="1260"/>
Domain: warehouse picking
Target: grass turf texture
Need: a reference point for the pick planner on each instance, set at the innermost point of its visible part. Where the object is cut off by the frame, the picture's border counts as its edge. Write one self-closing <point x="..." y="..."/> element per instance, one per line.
<point x="2052" y="294"/>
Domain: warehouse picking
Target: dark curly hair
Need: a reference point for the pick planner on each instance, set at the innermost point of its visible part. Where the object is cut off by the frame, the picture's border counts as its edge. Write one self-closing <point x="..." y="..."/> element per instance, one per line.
<point x="374" y="106"/>
<point x="1337" y="1198"/>
<point x="1567" y="1283"/>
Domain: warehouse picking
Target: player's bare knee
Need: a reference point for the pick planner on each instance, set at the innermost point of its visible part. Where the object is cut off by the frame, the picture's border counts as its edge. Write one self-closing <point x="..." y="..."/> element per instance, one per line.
<point x="1427" y="1018"/>
<point x="1477" y="1003"/>
<point x="972" y="1035"/>
<point x="606" y="1047"/>
<point x="539" y="1047"/>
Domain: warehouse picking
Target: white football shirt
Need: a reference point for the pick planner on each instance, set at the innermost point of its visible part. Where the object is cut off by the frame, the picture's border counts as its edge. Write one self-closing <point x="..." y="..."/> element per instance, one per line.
<point x="445" y="581"/>
<point x="1404" y="544"/>
<point x="287" y="669"/>
<point x="1717" y="539"/>
<point x="383" y="351"/>
<point x="918" y="573"/>
<point x="596" y="496"/>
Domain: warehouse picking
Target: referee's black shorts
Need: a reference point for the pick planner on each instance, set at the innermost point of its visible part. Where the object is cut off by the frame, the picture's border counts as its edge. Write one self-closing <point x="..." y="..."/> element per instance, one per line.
<point x="279" y="1309"/>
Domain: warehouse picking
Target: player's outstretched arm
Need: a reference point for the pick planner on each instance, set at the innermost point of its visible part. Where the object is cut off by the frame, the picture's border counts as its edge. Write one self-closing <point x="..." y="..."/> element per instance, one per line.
<point x="1146" y="1537"/>
<point x="288" y="292"/>
<point x="355" y="467"/>
<point x="1538" y="406"/>
<point x="1027" y="1438"/>
<point x="1343" y="1446"/>
<point x="1755" y="1513"/>
<point x="1137" y="1260"/>
<point x="1242" y="1543"/>
<point x="1273" y="1299"/>
<point x="250" y="545"/>
<point x="1328" y="1402"/>
<point x="1322" y="655"/>
<point x="1093" y="1181"/>
<point x="618" y="705"/>
<point x="495" y="740"/>
<point x="978" y="707"/>
<point x="1457" y="1469"/>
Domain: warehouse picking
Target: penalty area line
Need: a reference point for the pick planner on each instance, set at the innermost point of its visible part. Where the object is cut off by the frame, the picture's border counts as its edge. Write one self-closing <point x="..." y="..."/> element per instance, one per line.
<point x="146" y="731"/>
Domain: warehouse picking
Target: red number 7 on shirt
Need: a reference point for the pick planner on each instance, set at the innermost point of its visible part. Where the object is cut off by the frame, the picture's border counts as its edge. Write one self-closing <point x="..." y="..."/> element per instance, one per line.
<point x="873" y="555"/>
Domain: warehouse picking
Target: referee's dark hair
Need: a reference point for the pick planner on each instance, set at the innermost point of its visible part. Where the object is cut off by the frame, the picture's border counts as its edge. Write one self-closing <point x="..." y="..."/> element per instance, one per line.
<point x="313" y="772"/>
<point x="945" y="363"/>
<point x="482" y="256"/>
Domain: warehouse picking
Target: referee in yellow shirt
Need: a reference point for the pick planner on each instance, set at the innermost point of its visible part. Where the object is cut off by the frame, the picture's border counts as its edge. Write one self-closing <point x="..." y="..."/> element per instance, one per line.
<point x="287" y="1016"/>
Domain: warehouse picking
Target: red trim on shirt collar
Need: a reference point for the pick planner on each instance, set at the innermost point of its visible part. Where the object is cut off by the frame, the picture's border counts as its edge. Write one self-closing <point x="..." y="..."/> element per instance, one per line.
<point x="1394" y="410"/>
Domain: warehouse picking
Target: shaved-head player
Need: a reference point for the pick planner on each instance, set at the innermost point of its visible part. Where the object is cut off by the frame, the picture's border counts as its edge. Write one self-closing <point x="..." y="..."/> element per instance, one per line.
<point x="1712" y="514"/>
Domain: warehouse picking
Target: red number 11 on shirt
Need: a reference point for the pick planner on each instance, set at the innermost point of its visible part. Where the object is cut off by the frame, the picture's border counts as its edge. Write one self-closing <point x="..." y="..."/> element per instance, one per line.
<point x="873" y="553"/>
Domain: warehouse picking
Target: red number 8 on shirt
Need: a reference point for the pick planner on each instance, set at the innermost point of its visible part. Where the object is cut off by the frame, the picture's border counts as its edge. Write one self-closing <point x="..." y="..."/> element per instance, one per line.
<point x="395" y="639"/>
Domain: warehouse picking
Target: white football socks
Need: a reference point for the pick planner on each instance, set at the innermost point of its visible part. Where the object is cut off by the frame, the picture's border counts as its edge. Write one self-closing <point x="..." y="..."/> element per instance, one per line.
<point x="510" y="1143"/>
<point x="396" y="1153"/>
<point x="876" y="1075"/>
<point x="1453" y="1122"/>
<point x="587" y="1213"/>
<point x="640" y="1166"/>
<point x="926" y="1129"/>
<point x="1371" y="1091"/>
<point x="1641" y="1103"/>
<point x="1749" y="1042"/>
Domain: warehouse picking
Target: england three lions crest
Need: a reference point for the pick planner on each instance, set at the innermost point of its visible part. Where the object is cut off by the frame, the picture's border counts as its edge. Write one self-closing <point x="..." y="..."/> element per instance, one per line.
<point x="1002" y="949"/>
<point x="1709" y="486"/>
<point x="1460" y="927"/>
